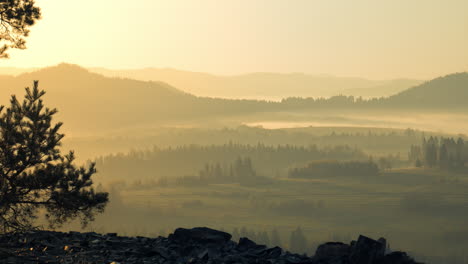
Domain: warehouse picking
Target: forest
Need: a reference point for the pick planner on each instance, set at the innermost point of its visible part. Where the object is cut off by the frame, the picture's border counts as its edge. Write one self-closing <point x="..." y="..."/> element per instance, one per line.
<point x="269" y="160"/>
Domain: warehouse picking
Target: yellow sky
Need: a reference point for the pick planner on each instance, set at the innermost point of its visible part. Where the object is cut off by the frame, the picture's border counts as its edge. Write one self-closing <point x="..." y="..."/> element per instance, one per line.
<point x="367" y="38"/>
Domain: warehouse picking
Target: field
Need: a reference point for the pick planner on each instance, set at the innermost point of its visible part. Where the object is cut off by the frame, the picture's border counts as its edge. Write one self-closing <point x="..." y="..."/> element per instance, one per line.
<point x="419" y="210"/>
<point x="407" y="206"/>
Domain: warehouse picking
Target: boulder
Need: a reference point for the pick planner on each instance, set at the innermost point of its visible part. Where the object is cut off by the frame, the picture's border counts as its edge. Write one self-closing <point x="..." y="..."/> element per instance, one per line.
<point x="396" y="257"/>
<point x="245" y="244"/>
<point x="332" y="252"/>
<point x="200" y="235"/>
<point x="366" y="250"/>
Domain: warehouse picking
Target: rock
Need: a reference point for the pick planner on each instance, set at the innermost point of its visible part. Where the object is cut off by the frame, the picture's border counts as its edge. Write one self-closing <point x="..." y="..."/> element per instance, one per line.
<point x="332" y="252"/>
<point x="197" y="246"/>
<point x="4" y="253"/>
<point x="396" y="257"/>
<point x="274" y="253"/>
<point x="366" y="251"/>
<point x="245" y="244"/>
<point x="201" y="235"/>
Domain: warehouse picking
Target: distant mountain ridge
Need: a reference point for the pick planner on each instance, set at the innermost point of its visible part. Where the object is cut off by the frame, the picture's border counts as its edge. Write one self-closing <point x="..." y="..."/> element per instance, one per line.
<point x="260" y="85"/>
<point x="264" y="85"/>
<point x="90" y="102"/>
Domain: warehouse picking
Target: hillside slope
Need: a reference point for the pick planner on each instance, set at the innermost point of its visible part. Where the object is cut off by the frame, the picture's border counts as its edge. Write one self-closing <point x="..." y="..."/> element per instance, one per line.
<point x="89" y="102"/>
<point x="444" y="92"/>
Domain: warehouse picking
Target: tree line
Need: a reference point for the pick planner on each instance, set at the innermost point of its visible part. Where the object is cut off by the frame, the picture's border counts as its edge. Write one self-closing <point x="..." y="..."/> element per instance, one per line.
<point x="240" y="171"/>
<point x="439" y="152"/>
<point x="185" y="160"/>
<point x="331" y="168"/>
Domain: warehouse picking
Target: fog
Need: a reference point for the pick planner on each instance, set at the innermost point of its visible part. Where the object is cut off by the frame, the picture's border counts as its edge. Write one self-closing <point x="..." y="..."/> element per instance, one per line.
<point x="294" y="173"/>
<point x="454" y="123"/>
<point x="291" y="123"/>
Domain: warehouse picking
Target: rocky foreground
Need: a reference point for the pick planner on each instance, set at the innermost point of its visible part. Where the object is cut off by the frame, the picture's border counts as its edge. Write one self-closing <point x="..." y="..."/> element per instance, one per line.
<point x="197" y="245"/>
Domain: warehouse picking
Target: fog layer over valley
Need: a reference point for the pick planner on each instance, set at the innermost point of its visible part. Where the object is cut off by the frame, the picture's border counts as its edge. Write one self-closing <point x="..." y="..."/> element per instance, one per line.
<point x="294" y="172"/>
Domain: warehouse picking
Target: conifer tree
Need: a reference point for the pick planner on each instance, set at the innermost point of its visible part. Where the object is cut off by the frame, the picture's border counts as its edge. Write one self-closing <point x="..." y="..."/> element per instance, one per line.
<point x="275" y="238"/>
<point x="16" y="18"/>
<point x="235" y="234"/>
<point x="263" y="238"/>
<point x="34" y="175"/>
<point x="459" y="152"/>
<point x="298" y="241"/>
<point x="443" y="157"/>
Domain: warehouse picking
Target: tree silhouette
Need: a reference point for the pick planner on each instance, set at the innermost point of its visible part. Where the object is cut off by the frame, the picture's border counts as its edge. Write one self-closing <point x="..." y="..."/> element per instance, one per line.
<point x="275" y="238"/>
<point x="16" y="16"/>
<point x="298" y="241"/>
<point x="34" y="175"/>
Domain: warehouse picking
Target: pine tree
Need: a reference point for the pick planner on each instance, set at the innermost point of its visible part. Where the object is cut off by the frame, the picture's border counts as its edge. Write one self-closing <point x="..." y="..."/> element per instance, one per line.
<point x="418" y="163"/>
<point x="275" y="238"/>
<point x="443" y="157"/>
<point x="244" y="232"/>
<point x="16" y="18"/>
<point x="298" y="241"/>
<point x="459" y="152"/>
<point x="34" y="174"/>
<point x="235" y="234"/>
<point x="263" y="238"/>
<point x="430" y="152"/>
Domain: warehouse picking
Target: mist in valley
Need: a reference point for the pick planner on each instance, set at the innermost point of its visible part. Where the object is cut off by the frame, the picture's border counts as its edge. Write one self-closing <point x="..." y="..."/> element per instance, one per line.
<point x="250" y="136"/>
<point x="278" y="172"/>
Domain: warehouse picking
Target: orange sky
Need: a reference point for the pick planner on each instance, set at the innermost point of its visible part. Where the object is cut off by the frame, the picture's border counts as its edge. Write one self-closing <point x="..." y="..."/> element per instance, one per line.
<point x="366" y="38"/>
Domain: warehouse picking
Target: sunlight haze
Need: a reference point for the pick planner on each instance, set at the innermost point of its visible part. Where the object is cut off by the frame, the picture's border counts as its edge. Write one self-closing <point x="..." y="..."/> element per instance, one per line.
<point x="234" y="131"/>
<point x="419" y="39"/>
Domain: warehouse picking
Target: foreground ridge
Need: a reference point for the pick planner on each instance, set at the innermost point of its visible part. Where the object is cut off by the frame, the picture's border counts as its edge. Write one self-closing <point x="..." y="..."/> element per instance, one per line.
<point x="196" y="245"/>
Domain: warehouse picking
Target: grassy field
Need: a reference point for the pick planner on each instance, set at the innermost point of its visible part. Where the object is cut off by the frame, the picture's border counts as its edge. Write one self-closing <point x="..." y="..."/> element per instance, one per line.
<point x="407" y="206"/>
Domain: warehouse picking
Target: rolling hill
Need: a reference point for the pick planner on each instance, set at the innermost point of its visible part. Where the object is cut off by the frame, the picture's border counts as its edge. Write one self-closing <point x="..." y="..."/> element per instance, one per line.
<point x="265" y="86"/>
<point x="89" y="102"/>
<point x="258" y="86"/>
<point x="447" y="92"/>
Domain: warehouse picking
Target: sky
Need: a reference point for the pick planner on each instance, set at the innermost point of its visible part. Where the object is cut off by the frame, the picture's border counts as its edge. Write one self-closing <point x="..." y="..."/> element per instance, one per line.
<point x="375" y="39"/>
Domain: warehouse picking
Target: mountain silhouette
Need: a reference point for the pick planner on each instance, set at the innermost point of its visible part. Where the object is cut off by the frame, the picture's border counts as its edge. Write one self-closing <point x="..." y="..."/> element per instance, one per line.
<point x="449" y="91"/>
<point x="89" y="102"/>
<point x="264" y="85"/>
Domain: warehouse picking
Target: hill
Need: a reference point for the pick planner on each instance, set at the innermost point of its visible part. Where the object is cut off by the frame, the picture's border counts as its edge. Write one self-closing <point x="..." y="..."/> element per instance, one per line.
<point x="450" y="91"/>
<point x="386" y="89"/>
<point x="267" y="86"/>
<point x="89" y="102"/>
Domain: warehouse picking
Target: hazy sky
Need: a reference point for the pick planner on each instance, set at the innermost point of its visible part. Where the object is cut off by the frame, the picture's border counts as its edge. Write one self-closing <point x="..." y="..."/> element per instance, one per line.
<point x="367" y="38"/>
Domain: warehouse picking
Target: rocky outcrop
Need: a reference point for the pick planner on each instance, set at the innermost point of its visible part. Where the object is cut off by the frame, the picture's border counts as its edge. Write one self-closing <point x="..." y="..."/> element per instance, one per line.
<point x="363" y="251"/>
<point x="197" y="245"/>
